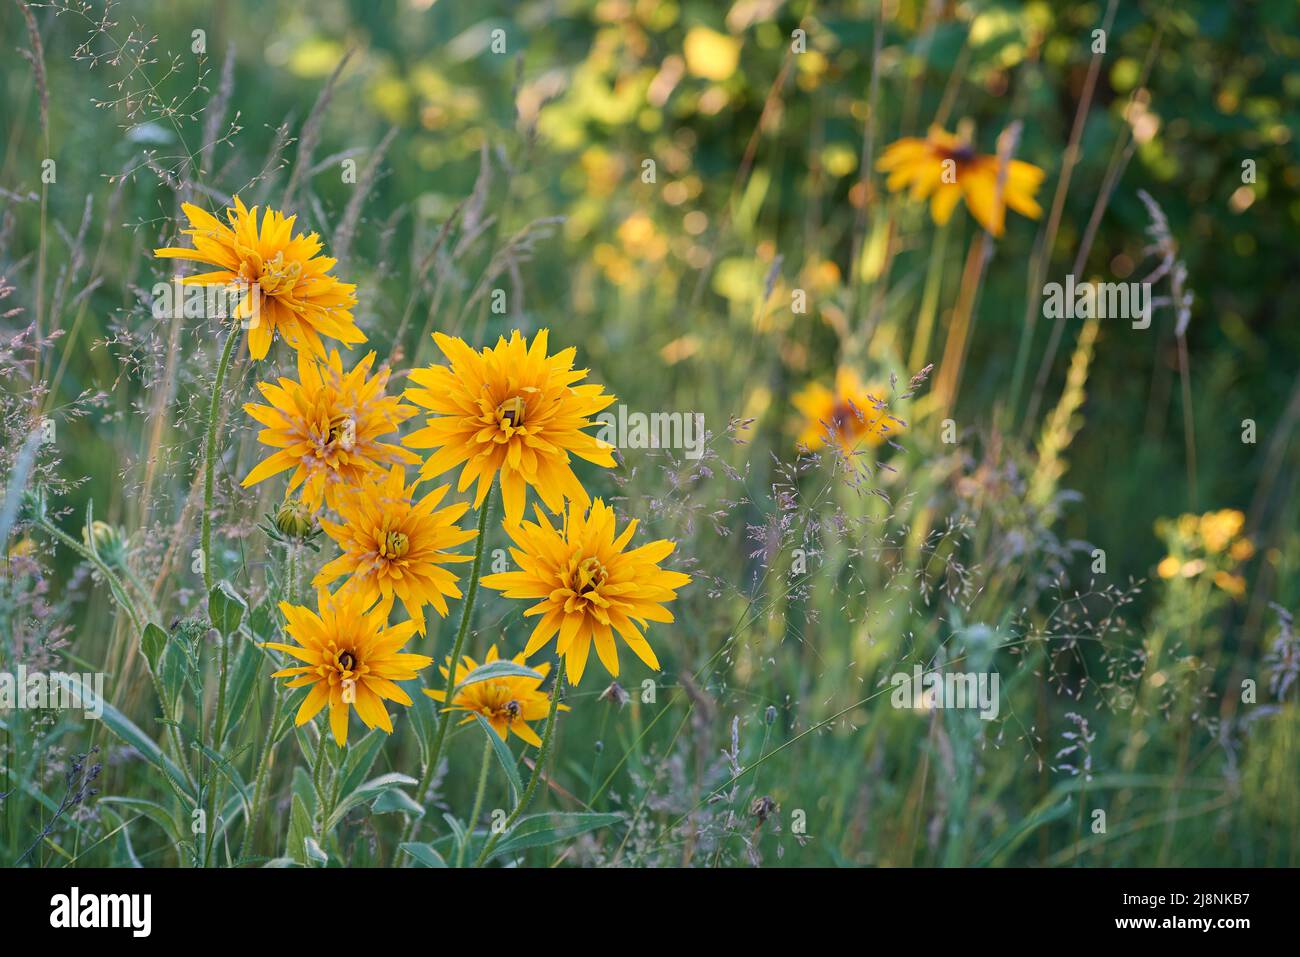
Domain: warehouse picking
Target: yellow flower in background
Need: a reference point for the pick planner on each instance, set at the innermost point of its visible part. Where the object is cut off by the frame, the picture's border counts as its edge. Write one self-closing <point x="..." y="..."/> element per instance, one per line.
<point x="327" y="427"/>
<point x="1219" y="528"/>
<point x="946" y="169"/>
<point x="1209" y="543"/>
<point x="851" y="414"/>
<point x="507" y="703"/>
<point x="298" y="297"/>
<point x="350" y="658"/>
<point x="710" y="54"/>
<point x="512" y="410"/>
<point x="587" y="587"/>
<point x="395" y="546"/>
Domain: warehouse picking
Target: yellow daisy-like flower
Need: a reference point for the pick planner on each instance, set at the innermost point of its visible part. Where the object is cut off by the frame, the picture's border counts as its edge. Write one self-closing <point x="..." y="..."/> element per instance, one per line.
<point x="327" y="427"/>
<point x="1218" y="529"/>
<point x="850" y="414"/>
<point x="588" y="587"/>
<point x="513" y="410"/>
<point x="350" y="656"/>
<point x="297" y="295"/>
<point x="508" y="703"/>
<point x="946" y="168"/>
<point x="395" y="546"/>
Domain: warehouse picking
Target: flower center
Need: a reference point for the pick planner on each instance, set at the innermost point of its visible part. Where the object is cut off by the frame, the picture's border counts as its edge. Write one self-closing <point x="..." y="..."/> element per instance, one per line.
<point x="347" y="661"/>
<point x="279" y="276"/>
<point x="961" y="155"/>
<point x="843" y="416"/>
<point x="510" y="413"/>
<point x="342" y="432"/>
<point x="591" y="575"/>
<point x="394" y="545"/>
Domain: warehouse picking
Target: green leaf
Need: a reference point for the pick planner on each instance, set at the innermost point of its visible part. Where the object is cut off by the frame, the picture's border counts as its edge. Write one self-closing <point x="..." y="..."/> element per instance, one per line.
<point x="423" y="854"/>
<point x="507" y="760"/>
<point x="150" y="809"/>
<point x="226" y="608"/>
<point x="539" y="830"/>
<point x="314" y="851"/>
<point x="153" y="643"/>
<point x="500" y="668"/>
<point x="242" y="678"/>
<point x="299" y="831"/>
<point x="397" y="800"/>
<point x="1012" y="837"/>
<point x="361" y="757"/>
<point x="368" y="791"/>
<point x="122" y="726"/>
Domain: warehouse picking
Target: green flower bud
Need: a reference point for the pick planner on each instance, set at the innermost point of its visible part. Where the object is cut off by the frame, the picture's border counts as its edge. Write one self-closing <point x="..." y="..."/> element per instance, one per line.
<point x="295" y="520"/>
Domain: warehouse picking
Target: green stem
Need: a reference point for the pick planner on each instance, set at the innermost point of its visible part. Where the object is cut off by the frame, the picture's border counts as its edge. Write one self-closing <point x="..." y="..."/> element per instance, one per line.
<point x="259" y="785"/>
<point x="467" y="613"/>
<point x="209" y="458"/>
<point x="478" y="798"/>
<point x="205" y="545"/>
<point x="536" y="778"/>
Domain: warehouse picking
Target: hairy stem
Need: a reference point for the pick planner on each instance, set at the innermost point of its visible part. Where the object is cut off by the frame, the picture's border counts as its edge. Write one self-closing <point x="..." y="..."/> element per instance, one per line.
<point x="531" y="788"/>
<point x="467" y="613"/>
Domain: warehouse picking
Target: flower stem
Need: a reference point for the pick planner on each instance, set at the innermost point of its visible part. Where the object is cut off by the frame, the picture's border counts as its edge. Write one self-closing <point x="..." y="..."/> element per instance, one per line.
<point x="209" y="458"/>
<point x="478" y="798"/>
<point x="205" y="547"/>
<point x="535" y="779"/>
<point x="259" y="784"/>
<point x="467" y="612"/>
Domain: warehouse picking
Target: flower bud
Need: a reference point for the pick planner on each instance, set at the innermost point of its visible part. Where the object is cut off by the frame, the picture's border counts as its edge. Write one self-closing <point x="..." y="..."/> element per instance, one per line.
<point x="295" y="520"/>
<point x="108" y="542"/>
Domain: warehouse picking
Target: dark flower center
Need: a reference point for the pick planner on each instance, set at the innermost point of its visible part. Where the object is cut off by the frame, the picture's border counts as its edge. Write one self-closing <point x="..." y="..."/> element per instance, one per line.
<point x="511" y="412"/>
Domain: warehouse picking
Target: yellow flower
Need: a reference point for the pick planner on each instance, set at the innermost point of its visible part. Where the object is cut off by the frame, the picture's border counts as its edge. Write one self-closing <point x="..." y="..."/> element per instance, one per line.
<point x="946" y="169"/>
<point x="508" y="703"/>
<point x="1169" y="567"/>
<point x="297" y="295"/>
<point x="514" y="410"/>
<point x="710" y="54"/>
<point x="1234" y="585"/>
<point x="327" y="427"/>
<point x="395" y="546"/>
<point x="851" y="415"/>
<point x="588" y="587"/>
<point x="1242" y="549"/>
<point x="350" y="657"/>
<point x="1221" y="527"/>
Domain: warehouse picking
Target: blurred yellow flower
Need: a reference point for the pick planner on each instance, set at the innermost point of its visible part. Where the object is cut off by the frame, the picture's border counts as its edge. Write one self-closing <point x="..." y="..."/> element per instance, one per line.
<point x="1219" y="528"/>
<point x="587" y="587"/>
<point x="946" y="168"/>
<point x="710" y="54"/>
<point x="850" y="415"/>
<point x="1243" y="549"/>
<point x="327" y="427"/>
<point x="395" y="546"/>
<point x="297" y="295"/>
<point x="1168" y="567"/>
<point x="1234" y="585"/>
<point x="512" y="410"/>
<point x="508" y="703"/>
